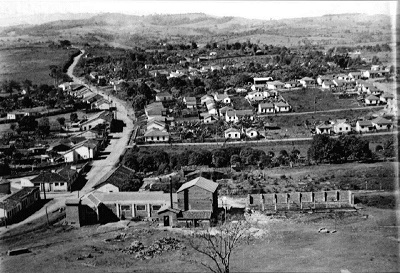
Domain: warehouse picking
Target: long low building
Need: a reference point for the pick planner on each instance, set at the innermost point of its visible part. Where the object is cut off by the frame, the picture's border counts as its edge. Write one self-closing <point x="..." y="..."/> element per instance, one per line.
<point x="104" y="207"/>
<point x="17" y="205"/>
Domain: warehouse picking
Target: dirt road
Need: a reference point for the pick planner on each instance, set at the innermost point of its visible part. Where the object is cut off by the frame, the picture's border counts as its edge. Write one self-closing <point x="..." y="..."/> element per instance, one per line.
<point x="100" y="167"/>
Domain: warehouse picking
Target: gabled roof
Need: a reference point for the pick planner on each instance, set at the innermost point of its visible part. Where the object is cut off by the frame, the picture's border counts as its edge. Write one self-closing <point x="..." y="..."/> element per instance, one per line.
<point x="241" y="113"/>
<point x="248" y="130"/>
<point x="116" y="177"/>
<point x="266" y="105"/>
<point x="168" y="208"/>
<point x="282" y="104"/>
<point x="12" y="200"/>
<point x="307" y="79"/>
<point x="364" y="123"/>
<point x="372" y="97"/>
<point x="135" y="197"/>
<point x="200" y="182"/>
<point x="163" y="94"/>
<point x="155" y="132"/>
<point x="324" y="126"/>
<point x="381" y="120"/>
<point x="388" y="95"/>
<point x="231" y="130"/>
<point x="230" y="113"/>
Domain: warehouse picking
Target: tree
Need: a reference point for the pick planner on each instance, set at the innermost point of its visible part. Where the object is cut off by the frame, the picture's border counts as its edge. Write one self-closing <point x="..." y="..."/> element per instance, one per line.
<point x="325" y="149"/>
<point x="194" y="45"/>
<point x="61" y="121"/>
<point x="139" y="102"/>
<point x="44" y="126"/>
<point x="27" y="123"/>
<point x="73" y="117"/>
<point x="218" y="246"/>
<point x="10" y="86"/>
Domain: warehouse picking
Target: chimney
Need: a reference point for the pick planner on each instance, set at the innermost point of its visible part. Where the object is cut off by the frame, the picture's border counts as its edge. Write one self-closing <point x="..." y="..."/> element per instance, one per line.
<point x="170" y="192"/>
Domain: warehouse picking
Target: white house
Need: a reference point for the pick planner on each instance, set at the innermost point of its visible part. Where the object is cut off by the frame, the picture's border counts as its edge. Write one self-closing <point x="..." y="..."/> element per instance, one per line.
<point x="327" y="84"/>
<point x="306" y="81"/>
<point x="275" y="85"/>
<point x="190" y="102"/>
<point x="364" y="126"/>
<point x="265" y="108"/>
<point x="341" y="127"/>
<point x="251" y="132"/>
<point x="230" y="116"/>
<point x="222" y="97"/>
<point x="209" y="119"/>
<point x="82" y="151"/>
<point x="156" y="136"/>
<point x="206" y="98"/>
<point x="255" y="96"/>
<point x="322" y="78"/>
<point x="381" y="123"/>
<point x="355" y="75"/>
<point x="282" y="107"/>
<point x="371" y="100"/>
<point x="87" y="125"/>
<point x="232" y="133"/>
<point x="386" y="97"/>
<point x="155" y="124"/>
<point x="163" y="96"/>
<point x="291" y="84"/>
<point x="323" y="129"/>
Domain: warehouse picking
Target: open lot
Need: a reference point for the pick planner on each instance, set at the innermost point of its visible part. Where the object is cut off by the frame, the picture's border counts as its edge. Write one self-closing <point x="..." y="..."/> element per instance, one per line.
<point x="303" y="100"/>
<point x="368" y="244"/>
<point x="32" y="63"/>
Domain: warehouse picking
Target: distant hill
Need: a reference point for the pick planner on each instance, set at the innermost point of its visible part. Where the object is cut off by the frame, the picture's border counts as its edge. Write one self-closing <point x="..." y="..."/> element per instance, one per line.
<point x="131" y="30"/>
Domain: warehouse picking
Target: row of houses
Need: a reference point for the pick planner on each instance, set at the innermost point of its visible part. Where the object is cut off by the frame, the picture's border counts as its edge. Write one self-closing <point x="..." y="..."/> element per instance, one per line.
<point x="341" y="126"/>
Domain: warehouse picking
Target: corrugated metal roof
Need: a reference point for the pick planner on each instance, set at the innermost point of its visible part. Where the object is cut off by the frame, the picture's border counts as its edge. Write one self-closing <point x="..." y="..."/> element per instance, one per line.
<point x="201" y="182"/>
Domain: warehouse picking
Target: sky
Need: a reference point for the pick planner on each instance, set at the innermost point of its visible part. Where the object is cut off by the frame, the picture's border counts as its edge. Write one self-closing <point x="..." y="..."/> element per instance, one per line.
<point x="249" y="9"/>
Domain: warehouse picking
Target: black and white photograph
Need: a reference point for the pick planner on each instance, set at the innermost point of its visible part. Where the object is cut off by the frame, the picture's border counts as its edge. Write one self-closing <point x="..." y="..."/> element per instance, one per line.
<point x="199" y="136"/>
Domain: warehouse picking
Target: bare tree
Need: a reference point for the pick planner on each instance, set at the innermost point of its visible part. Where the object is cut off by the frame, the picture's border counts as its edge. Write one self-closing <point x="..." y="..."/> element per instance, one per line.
<point x="219" y="243"/>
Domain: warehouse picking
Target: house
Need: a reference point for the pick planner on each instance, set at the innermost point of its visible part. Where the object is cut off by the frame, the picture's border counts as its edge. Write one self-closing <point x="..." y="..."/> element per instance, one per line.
<point x="163" y="96"/>
<point x="355" y="75"/>
<point x="275" y="85"/>
<point x="190" y="102"/>
<point x="232" y="133"/>
<point x="323" y="129"/>
<point x="364" y="126"/>
<point x="380" y="123"/>
<point x="15" y="115"/>
<point x="206" y="98"/>
<point x="18" y="205"/>
<point x="115" y="180"/>
<point x="212" y="108"/>
<point x="222" y="97"/>
<point x="230" y="116"/>
<point x="322" y="78"/>
<point x="255" y="96"/>
<point x="60" y="180"/>
<point x="244" y="114"/>
<point x="156" y="136"/>
<point x="327" y="84"/>
<point x="265" y="108"/>
<point x="341" y="127"/>
<point x="342" y="77"/>
<point x="306" y="81"/>
<point x="155" y="109"/>
<point x="282" y="107"/>
<point x="104" y="207"/>
<point x="291" y="84"/>
<point x="101" y="104"/>
<point x="209" y="119"/>
<point x="223" y="110"/>
<point x="241" y="90"/>
<point x="251" y="132"/>
<point x="215" y="67"/>
<point x="371" y="100"/>
<point x="89" y="124"/>
<point x="155" y="124"/>
<point x="197" y="205"/>
<point x="387" y="98"/>
<point x="82" y="151"/>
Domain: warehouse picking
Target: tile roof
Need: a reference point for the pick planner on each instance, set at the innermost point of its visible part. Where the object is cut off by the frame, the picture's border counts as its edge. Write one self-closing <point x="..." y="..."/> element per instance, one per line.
<point x="282" y="104"/>
<point x="135" y="197"/>
<point x="240" y="113"/>
<point x="364" y="123"/>
<point x="381" y="120"/>
<point x="116" y="177"/>
<point x="372" y="97"/>
<point x="168" y="208"/>
<point x="233" y="130"/>
<point x="10" y="201"/>
<point x="201" y="182"/>
<point x="266" y="105"/>
<point x="155" y="132"/>
<point x="196" y="214"/>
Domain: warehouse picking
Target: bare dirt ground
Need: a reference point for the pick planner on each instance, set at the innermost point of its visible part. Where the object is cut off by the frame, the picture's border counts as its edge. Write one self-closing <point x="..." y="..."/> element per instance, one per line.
<point x="291" y="244"/>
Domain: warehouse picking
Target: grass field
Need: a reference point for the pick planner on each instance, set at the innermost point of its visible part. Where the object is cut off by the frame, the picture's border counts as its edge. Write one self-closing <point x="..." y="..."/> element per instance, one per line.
<point x="31" y="63"/>
<point x="303" y="100"/>
<point x="289" y="244"/>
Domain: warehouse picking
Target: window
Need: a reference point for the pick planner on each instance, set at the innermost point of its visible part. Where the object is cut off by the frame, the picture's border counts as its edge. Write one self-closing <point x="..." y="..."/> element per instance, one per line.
<point x="158" y="138"/>
<point x="340" y="128"/>
<point x="56" y="184"/>
<point x="61" y="184"/>
<point x="140" y="207"/>
<point x="156" y="207"/>
<point x="126" y="207"/>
